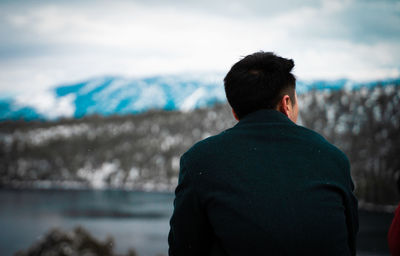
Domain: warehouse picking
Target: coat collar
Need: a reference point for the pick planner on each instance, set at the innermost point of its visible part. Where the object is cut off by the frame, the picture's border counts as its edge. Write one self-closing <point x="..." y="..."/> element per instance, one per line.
<point x="265" y="116"/>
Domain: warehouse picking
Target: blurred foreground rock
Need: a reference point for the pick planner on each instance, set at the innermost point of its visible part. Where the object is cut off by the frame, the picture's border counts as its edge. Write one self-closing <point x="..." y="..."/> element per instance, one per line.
<point x="78" y="242"/>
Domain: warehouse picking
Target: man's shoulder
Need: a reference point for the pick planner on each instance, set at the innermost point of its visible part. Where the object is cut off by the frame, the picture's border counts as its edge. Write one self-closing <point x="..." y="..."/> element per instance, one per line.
<point x="208" y="143"/>
<point x="318" y="140"/>
<point x="207" y="148"/>
<point x="216" y="148"/>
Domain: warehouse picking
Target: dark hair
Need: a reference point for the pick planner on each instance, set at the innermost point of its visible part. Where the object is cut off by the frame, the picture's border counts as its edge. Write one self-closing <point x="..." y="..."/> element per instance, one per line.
<point x="259" y="81"/>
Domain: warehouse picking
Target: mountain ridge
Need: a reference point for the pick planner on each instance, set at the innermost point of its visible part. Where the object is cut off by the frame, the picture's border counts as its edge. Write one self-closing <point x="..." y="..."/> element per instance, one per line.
<point x="111" y="95"/>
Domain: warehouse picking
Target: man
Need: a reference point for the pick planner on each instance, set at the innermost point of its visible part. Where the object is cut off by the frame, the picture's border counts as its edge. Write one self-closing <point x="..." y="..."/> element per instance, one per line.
<point x="266" y="186"/>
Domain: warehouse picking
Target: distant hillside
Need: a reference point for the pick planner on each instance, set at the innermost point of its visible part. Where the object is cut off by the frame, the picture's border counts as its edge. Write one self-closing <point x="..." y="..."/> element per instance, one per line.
<point x="115" y="95"/>
<point x="142" y="151"/>
<point x="365" y="124"/>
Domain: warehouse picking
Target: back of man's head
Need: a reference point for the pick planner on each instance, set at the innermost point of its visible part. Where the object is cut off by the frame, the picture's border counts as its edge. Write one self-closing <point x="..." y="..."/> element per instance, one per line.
<point x="259" y="81"/>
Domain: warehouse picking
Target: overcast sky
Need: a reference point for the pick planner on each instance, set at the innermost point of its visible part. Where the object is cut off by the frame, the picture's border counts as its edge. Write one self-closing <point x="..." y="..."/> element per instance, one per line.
<point x="47" y="43"/>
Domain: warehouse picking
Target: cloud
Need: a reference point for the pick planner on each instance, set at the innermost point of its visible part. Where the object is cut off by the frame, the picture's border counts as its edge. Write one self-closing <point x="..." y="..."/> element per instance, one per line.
<point x="49" y="43"/>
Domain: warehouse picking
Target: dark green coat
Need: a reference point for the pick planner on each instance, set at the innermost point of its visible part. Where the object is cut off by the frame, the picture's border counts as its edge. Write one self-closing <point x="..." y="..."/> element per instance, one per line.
<point x="264" y="187"/>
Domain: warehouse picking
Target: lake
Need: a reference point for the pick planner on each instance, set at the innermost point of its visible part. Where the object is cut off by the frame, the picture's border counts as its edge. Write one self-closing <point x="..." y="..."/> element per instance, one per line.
<point x="138" y="220"/>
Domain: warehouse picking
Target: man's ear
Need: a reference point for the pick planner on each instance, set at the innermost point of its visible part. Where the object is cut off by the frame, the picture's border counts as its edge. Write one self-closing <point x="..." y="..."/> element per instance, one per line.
<point x="234" y="115"/>
<point x="285" y="105"/>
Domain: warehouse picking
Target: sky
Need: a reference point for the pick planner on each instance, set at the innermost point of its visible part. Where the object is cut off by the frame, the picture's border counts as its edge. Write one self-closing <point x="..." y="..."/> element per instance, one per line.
<point x="48" y="43"/>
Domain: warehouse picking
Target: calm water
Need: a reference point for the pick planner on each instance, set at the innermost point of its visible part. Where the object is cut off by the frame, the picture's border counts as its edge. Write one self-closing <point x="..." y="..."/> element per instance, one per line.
<point x="135" y="219"/>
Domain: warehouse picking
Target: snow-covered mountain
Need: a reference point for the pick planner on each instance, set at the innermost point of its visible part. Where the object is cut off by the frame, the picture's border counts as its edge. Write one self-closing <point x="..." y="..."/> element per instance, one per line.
<point x="116" y="95"/>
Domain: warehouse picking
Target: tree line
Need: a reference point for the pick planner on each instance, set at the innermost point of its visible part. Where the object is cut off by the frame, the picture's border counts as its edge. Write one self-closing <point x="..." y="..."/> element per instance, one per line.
<point x="142" y="151"/>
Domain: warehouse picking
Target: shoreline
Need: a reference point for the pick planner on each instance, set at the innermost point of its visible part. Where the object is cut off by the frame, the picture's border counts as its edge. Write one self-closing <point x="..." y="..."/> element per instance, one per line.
<point x="77" y="186"/>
